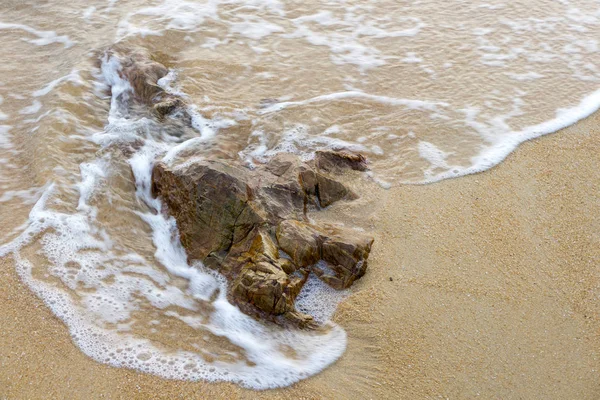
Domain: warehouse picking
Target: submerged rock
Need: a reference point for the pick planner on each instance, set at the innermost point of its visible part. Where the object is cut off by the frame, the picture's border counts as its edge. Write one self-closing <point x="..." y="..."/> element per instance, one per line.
<point x="251" y="225"/>
<point x="143" y="72"/>
<point x="339" y="160"/>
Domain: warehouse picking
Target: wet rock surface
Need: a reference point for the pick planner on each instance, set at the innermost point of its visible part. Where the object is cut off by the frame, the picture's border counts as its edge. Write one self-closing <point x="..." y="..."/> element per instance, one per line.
<point x="336" y="161"/>
<point x="252" y="226"/>
<point x="143" y="73"/>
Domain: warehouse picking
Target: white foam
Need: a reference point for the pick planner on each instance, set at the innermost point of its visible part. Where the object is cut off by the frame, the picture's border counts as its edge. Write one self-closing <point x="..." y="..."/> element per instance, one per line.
<point x="255" y="28"/>
<point x="72" y="77"/>
<point x="3" y="116"/>
<point x="27" y="196"/>
<point x="347" y="46"/>
<point x="297" y="140"/>
<point x="503" y="145"/>
<point x="259" y="19"/>
<point x="411" y="58"/>
<point x="44" y="38"/>
<point x="5" y="137"/>
<point x="88" y="12"/>
<point x="332" y="130"/>
<point x="319" y="300"/>
<point x="408" y="103"/>
<point x="185" y="15"/>
<point x="168" y="81"/>
<point x="527" y="76"/>
<point x="92" y="173"/>
<point x="32" y="109"/>
<point x="435" y="156"/>
<point x="375" y="178"/>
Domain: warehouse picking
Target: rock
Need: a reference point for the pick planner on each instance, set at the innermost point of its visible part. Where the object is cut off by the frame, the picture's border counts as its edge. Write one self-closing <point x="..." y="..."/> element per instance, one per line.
<point x="167" y="105"/>
<point x="210" y="201"/>
<point x="266" y="286"/>
<point x="329" y="191"/>
<point x="143" y="73"/>
<point x="282" y="200"/>
<point x="265" y="281"/>
<point x="336" y="161"/>
<point x="279" y="165"/>
<point x="343" y="252"/>
<point x="300" y="242"/>
<point x="263" y="247"/>
<point x="244" y="223"/>
<point x="308" y="180"/>
<point x="346" y="252"/>
<point x="288" y="266"/>
<point x="252" y="225"/>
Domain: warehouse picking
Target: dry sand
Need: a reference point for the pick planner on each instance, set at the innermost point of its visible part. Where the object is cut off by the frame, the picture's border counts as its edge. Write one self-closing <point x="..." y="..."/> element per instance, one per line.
<point x="494" y="293"/>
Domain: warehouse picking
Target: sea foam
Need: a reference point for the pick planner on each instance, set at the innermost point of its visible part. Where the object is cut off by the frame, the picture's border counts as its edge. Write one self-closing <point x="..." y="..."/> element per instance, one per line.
<point x="44" y="38"/>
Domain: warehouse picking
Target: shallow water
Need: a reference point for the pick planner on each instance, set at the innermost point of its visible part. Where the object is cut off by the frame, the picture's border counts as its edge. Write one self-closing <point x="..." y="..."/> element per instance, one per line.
<point x="426" y="90"/>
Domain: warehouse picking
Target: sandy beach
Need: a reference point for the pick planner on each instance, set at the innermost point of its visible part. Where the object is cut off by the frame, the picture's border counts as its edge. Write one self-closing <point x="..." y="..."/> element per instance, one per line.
<point x="485" y="286"/>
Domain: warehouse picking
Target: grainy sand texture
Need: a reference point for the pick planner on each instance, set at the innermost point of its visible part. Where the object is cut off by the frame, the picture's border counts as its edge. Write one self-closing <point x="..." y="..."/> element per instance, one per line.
<point x="486" y="286"/>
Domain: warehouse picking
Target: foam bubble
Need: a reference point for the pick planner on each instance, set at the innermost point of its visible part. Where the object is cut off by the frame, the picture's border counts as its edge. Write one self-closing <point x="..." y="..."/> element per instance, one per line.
<point x="319" y="300"/>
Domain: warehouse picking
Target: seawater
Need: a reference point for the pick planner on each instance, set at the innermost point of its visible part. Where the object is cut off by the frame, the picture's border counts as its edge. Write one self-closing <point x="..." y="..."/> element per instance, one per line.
<point x="427" y="90"/>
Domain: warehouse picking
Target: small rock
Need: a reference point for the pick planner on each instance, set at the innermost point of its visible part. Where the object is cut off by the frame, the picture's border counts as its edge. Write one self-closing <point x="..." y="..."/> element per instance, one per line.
<point x="299" y="241"/>
<point x="337" y="161"/>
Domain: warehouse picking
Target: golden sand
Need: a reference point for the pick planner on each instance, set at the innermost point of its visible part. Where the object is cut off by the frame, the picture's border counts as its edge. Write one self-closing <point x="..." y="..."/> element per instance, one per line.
<point x="484" y="286"/>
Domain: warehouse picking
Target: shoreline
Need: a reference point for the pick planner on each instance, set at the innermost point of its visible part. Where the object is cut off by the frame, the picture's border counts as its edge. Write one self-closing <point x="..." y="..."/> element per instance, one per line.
<point x="494" y="291"/>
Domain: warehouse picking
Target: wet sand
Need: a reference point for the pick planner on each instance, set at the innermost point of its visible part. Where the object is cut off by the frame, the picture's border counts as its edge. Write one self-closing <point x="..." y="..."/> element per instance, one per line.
<point x="484" y="286"/>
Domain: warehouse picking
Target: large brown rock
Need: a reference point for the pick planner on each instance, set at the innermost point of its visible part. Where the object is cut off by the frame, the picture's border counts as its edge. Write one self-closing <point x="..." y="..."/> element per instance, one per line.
<point x="266" y="286"/>
<point x="251" y="225"/>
